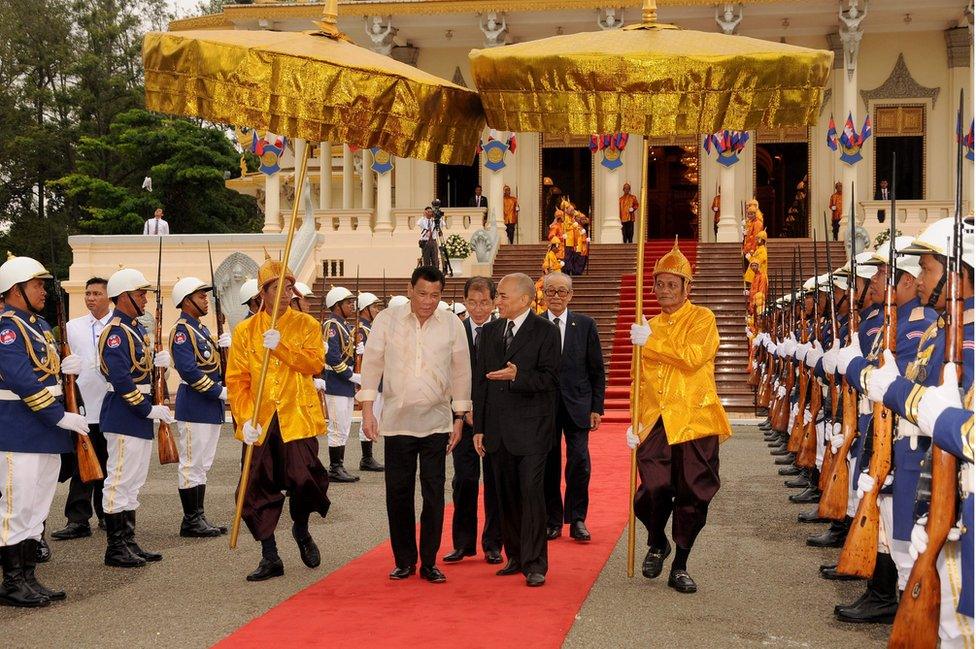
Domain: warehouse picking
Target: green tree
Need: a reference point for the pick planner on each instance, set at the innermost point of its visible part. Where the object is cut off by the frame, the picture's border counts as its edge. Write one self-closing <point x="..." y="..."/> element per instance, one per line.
<point x="188" y="165"/>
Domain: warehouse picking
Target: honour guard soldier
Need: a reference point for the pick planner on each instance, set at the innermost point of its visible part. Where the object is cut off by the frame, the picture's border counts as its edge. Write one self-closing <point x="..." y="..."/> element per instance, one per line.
<point x="199" y="401"/>
<point x="300" y="302"/>
<point x="250" y="297"/>
<point x="36" y="429"/>
<point x="368" y="306"/>
<point x="340" y="379"/>
<point x="126" y="360"/>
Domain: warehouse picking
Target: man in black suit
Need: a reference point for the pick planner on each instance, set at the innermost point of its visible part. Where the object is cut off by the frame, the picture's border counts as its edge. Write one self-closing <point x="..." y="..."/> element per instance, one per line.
<point x="478" y="200"/>
<point x="882" y="195"/>
<point x="515" y="390"/>
<point x="479" y="296"/>
<point x="582" y="383"/>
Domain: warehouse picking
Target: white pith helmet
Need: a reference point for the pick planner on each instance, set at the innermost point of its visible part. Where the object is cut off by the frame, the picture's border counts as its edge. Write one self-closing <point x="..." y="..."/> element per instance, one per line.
<point x="249" y="291"/>
<point x="335" y="295"/>
<point x="185" y="287"/>
<point x="20" y="269"/>
<point x="366" y="300"/>
<point x="125" y="280"/>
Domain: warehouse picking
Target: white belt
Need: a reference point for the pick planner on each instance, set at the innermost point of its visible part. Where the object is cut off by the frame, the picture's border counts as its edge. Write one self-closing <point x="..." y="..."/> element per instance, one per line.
<point x="909" y="430"/>
<point x="10" y="395"/>
<point x="966" y="478"/>
<point x="144" y="389"/>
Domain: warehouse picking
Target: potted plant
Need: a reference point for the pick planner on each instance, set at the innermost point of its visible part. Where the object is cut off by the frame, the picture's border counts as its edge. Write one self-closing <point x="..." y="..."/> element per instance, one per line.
<point x="457" y="247"/>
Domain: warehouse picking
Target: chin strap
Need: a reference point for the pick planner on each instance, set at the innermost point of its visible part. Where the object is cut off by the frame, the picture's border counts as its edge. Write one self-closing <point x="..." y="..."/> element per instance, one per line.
<point x="135" y="307"/>
<point x="30" y="306"/>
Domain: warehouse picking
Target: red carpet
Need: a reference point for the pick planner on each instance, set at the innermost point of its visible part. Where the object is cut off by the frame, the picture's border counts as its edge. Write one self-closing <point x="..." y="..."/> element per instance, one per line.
<point x="357" y="605"/>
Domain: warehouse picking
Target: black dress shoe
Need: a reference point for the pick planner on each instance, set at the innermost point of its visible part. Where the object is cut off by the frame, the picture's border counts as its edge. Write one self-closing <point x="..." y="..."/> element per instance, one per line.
<point x="785" y="460"/>
<point x="432" y="574"/>
<point x="457" y="555"/>
<point x="267" y="568"/>
<point x="790" y="470"/>
<point x="682" y="582"/>
<point x="799" y="482"/>
<point x="579" y="532"/>
<point x="402" y="573"/>
<point x="553" y="532"/>
<point x="513" y="567"/>
<point x="832" y="574"/>
<point x="811" y="495"/>
<point x="493" y="557"/>
<point x="535" y="579"/>
<point x="72" y="531"/>
<point x="307" y="549"/>
<point x="811" y="516"/>
<point x="654" y="561"/>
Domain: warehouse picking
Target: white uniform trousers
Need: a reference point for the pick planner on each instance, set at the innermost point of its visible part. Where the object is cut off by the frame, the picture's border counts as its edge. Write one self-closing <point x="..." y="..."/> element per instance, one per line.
<point x="125" y="472"/>
<point x="821" y="429"/>
<point x="27" y="485"/>
<point x="885" y="522"/>
<point x="197" y="444"/>
<point x="955" y="629"/>
<point x="852" y="498"/>
<point x="340" y="420"/>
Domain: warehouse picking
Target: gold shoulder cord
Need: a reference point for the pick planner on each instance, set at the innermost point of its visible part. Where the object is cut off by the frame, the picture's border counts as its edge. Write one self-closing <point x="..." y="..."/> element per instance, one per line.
<point x="144" y="367"/>
<point x="911" y="372"/>
<point x="53" y="364"/>
<point x="205" y="364"/>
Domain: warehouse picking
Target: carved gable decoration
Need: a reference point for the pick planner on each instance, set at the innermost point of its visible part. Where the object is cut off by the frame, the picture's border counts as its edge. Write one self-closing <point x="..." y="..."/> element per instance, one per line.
<point x="900" y="85"/>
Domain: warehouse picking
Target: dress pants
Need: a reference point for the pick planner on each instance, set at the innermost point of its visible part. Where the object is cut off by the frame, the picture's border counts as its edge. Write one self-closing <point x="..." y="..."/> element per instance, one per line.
<point x="577" y="473"/>
<point x="277" y="468"/>
<point x="401" y="453"/>
<point x="464" y="487"/>
<point x="679" y="479"/>
<point x="125" y="472"/>
<point x="628" y="231"/>
<point x="510" y="231"/>
<point x="428" y="252"/>
<point x="197" y="445"/>
<point x="521" y="494"/>
<point x="27" y="485"/>
<point x="83" y="495"/>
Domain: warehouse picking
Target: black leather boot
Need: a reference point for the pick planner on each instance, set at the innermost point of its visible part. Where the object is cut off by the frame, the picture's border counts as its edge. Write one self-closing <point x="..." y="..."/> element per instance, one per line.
<point x="193" y="525"/>
<point x="337" y="472"/>
<point x="785" y="460"/>
<point x="833" y="537"/>
<point x="809" y="495"/>
<point x="130" y="538"/>
<point x="790" y="471"/>
<point x="43" y="550"/>
<point x="28" y="554"/>
<point x="801" y="481"/>
<point x="780" y="450"/>
<point x="880" y="603"/>
<point x="117" y="552"/>
<point x="200" y="498"/>
<point x="14" y="590"/>
<point x="810" y="516"/>
<point x="369" y="463"/>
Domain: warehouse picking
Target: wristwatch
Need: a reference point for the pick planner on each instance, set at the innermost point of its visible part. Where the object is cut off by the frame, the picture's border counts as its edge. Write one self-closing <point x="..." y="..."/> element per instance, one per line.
<point x="459" y="416"/>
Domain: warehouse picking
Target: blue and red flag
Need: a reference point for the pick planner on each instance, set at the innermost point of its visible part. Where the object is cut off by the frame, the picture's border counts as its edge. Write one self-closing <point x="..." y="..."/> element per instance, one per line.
<point x="851" y="141"/>
<point x="832" y="134"/>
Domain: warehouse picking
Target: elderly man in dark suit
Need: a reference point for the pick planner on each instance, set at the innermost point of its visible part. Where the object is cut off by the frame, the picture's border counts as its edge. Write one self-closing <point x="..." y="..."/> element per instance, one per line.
<point x="582" y="383"/>
<point x="515" y="391"/>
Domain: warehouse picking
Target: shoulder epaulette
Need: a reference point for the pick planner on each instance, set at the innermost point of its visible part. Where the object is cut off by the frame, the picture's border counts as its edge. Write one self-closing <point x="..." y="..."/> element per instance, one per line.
<point x="114" y="322"/>
<point x="918" y="313"/>
<point x="6" y="314"/>
<point x="967" y="317"/>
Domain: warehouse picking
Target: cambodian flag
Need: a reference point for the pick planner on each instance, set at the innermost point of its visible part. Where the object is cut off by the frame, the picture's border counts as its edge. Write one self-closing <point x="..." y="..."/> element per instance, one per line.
<point x="511" y="143"/>
<point x="865" y="129"/>
<point x="707" y="144"/>
<point x="620" y="140"/>
<point x="832" y="134"/>
<point x="968" y="142"/>
<point x="594" y="144"/>
<point x="850" y="141"/>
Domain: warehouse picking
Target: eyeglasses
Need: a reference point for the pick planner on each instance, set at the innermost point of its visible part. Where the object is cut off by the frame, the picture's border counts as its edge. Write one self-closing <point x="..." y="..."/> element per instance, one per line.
<point x="552" y="292"/>
<point x="484" y="304"/>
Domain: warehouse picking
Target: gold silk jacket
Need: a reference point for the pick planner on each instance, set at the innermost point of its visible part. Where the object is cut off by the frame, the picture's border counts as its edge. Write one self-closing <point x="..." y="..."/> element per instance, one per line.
<point x="288" y="389"/>
<point x="678" y="377"/>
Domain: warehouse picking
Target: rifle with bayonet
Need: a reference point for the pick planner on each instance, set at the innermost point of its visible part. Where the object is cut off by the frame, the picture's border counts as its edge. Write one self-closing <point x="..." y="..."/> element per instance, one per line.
<point x="357" y="338"/>
<point x="832" y="389"/>
<point x="219" y="317"/>
<point x="787" y="376"/>
<point x="807" y="455"/>
<point x="917" y="621"/>
<point x="796" y="433"/>
<point x="860" y="550"/>
<point x="164" y="437"/>
<point x="765" y="394"/>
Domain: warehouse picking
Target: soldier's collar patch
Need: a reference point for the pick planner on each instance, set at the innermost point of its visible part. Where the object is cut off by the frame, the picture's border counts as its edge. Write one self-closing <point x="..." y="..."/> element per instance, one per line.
<point x="918" y="313"/>
<point x="967" y="317"/>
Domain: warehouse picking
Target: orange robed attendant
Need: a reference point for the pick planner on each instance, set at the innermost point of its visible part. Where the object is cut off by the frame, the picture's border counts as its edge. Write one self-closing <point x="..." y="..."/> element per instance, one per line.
<point x="628" y="211"/>
<point x="510" y="213"/>
<point x="682" y="421"/>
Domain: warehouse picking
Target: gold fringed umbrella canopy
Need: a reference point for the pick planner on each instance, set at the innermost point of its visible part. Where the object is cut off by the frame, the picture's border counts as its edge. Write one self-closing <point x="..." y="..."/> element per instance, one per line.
<point x="650" y="79"/>
<point x="312" y="85"/>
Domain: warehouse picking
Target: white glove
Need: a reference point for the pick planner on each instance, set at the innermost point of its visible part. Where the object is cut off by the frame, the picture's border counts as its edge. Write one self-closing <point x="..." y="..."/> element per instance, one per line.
<point x="74" y="422"/>
<point x="770" y="346"/>
<point x="865" y="483"/>
<point x="830" y="359"/>
<point x="632" y="439"/>
<point x="937" y="399"/>
<point x="271" y="338"/>
<point x="835" y="442"/>
<point x="72" y="364"/>
<point x="319" y="384"/>
<point x="781" y="391"/>
<point x="756" y="341"/>
<point x="356" y="378"/>
<point x="326" y="344"/>
<point x="847" y="354"/>
<point x="251" y="433"/>
<point x="815" y="354"/>
<point x="162" y="359"/>
<point x="880" y="378"/>
<point x="748" y="331"/>
<point x="789" y="345"/>
<point x="223" y="341"/>
<point x="223" y="394"/>
<point x="920" y="538"/>
<point x="360" y="349"/>
<point x="801" y="351"/>
<point x="639" y="333"/>
<point x="161" y="413"/>
<point x="807" y="417"/>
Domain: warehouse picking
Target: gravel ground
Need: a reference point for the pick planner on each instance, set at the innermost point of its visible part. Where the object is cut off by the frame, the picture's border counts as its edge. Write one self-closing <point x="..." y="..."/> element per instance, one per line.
<point x="758" y="583"/>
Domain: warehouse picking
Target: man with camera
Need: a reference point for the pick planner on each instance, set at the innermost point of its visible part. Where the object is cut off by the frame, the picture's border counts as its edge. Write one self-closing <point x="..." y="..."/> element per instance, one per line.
<point x="428" y="225"/>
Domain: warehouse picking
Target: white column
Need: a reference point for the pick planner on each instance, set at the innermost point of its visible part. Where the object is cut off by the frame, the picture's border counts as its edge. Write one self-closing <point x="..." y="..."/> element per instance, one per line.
<point x="272" y="204"/>
<point x="611" y="231"/>
<point x="347" y="178"/>
<point x="367" y="180"/>
<point x="496" y="198"/>
<point x="325" y="175"/>
<point x="384" y="202"/>
<point x="850" y="36"/>
<point x="728" y="228"/>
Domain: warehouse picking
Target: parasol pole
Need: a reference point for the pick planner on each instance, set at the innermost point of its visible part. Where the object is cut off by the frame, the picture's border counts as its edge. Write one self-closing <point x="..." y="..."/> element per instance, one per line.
<point x="265" y="361"/>
<point x="635" y="359"/>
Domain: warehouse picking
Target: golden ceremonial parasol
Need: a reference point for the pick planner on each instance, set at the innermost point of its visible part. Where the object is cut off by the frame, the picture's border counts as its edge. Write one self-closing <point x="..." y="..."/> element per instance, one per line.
<point x="317" y="86"/>
<point x="650" y="79"/>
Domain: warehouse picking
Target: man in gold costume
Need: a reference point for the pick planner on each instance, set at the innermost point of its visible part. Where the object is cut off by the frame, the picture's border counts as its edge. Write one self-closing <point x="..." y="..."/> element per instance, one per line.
<point x="510" y="213"/>
<point x="681" y="421"/>
<point x="285" y="457"/>
<point x="628" y="212"/>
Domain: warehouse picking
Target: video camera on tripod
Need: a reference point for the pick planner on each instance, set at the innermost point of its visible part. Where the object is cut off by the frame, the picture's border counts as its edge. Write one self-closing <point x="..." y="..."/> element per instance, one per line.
<point x="435" y="206"/>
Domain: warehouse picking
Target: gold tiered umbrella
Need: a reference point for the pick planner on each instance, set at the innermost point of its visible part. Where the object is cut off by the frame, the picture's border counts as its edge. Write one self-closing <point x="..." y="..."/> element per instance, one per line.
<point x="317" y="86"/>
<point x="650" y="79"/>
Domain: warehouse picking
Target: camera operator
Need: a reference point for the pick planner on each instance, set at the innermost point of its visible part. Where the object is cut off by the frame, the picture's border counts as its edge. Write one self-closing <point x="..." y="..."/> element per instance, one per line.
<point x="427" y="225"/>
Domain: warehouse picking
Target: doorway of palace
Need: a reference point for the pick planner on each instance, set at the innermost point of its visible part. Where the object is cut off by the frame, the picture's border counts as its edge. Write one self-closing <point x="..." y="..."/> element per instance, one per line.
<point x="455" y="183"/>
<point x="782" y="178"/>
<point x="900" y="130"/>
<point x="672" y="192"/>
<point x="570" y="168"/>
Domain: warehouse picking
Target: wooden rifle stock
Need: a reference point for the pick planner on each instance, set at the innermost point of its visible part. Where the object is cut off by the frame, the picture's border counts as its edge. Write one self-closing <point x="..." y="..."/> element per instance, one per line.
<point x="796" y="433"/>
<point x="828" y="458"/>
<point x="164" y="436"/>
<point x="833" y="500"/>
<point x="807" y="455"/>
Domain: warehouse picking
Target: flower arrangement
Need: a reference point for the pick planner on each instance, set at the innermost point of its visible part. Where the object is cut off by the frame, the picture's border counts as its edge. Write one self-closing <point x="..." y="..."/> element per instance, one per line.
<point x="457" y="247"/>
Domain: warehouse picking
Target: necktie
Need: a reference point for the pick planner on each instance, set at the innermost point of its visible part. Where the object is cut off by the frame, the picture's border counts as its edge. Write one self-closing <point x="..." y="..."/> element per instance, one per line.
<point x="560" y="328"/>
<point x="509" y="334"/>
<point x="155" y="226"/>
<point x="477" y="337"/>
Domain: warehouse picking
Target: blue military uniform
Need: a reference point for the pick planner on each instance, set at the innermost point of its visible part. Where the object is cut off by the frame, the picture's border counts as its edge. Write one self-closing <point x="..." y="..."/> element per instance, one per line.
<point x="125" y="359"/>
<point x="340" y="359"/>
<point x="867" y="330"/>
<point x="196" y="359"/>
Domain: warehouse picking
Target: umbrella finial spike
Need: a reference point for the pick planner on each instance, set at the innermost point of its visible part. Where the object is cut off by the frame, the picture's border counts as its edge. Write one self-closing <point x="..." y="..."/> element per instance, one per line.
<point x="649" y="12"/>
<point x="329" y="23"/>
